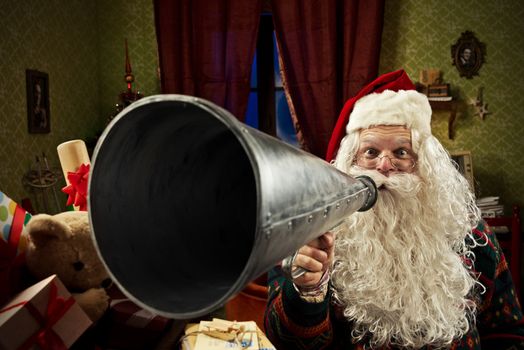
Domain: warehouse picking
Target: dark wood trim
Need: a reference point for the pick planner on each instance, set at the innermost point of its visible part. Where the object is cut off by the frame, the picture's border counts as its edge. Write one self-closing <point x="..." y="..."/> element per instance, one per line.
<point x="265" y="77"/>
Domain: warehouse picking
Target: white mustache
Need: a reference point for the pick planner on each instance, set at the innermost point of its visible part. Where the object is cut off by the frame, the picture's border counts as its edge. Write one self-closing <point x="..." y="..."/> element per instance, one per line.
<point x="402" y="183"/>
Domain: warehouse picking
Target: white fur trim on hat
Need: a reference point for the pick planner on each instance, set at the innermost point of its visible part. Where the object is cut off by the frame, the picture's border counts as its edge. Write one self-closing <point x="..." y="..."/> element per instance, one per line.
<point x="404" y="107"/>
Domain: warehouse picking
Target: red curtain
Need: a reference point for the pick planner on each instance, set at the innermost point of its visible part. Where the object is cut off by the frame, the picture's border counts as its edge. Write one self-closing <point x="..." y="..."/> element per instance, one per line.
<point x="329" y="50"/>
<point x="206" y="49"/>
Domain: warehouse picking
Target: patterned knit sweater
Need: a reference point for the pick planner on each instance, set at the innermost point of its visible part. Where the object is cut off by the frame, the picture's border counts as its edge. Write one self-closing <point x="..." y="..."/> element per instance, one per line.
<point x="292" y="323"/>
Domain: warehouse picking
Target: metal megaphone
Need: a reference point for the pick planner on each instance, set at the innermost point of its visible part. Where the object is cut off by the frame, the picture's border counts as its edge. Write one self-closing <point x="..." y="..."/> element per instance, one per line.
<point x="187" y="205"/>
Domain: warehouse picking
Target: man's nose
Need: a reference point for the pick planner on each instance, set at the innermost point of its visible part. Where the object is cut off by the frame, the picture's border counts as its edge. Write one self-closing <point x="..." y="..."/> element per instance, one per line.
<point x="385" y="166"/>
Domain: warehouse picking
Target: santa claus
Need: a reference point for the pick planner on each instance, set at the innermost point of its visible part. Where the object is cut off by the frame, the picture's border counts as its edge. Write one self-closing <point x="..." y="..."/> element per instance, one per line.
<point x="418" y="269"/>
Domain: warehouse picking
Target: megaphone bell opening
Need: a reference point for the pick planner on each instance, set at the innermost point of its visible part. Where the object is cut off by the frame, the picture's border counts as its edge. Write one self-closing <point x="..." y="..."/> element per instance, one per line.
<point x="173" y="202"/>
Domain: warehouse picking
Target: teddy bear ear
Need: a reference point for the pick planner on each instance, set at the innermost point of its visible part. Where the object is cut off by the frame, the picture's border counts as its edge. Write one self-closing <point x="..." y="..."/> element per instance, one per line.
<point x="42" y="228"/>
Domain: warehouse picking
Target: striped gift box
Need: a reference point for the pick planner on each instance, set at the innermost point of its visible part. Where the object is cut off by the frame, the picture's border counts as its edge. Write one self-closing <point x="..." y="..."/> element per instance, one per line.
<point x="128" y="326"/>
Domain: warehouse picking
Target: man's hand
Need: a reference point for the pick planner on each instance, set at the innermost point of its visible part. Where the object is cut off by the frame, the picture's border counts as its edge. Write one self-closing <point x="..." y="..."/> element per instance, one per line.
<point x="316" y="257"/>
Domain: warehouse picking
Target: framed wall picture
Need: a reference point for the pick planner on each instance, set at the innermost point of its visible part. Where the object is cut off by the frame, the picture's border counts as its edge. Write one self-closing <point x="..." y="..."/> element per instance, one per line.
<point x="468" y="54"/>
<point x="38" y="113"/>
<point x="465" y="166"/>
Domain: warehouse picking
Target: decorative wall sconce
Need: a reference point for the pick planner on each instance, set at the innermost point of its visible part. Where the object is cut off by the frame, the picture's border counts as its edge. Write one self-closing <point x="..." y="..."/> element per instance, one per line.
<point x="481" y="108"/>
<point x="468" y="54"/>
<point x="130" y="95"/>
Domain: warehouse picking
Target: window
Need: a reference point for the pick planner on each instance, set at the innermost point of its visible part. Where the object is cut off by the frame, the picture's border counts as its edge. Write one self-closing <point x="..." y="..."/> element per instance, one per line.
<point x="267" y="108"/>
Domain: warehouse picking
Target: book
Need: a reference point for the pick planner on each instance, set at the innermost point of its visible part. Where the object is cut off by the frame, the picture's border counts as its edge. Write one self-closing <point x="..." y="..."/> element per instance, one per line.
<point x="440" y="98"/>
<point x="491" y="207"/>
<point x="488" y="199"/>
<point x="500" y="229"/>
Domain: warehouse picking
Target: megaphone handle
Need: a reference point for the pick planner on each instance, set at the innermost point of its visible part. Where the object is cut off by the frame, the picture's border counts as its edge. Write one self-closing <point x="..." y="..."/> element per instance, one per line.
<point x="292" y="272"/>
<point x="298" y="271"/>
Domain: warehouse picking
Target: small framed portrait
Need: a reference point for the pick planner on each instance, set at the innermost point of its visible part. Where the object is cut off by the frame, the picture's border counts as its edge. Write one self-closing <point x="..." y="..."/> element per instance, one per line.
<point x="38" y="116"/>
<point x="468" y="54"/>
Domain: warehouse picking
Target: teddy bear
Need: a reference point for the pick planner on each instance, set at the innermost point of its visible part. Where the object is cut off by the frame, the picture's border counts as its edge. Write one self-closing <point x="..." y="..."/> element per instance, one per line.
<point x="61" y="244"/>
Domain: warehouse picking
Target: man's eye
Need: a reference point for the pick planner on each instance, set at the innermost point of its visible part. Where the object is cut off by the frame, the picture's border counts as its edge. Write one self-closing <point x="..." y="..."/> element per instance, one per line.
<point x="370" y="153"/>
<point x="402" y="153"/>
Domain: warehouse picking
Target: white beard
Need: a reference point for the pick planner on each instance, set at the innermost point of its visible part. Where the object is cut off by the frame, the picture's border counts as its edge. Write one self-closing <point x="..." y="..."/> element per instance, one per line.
<point x="399" y="274"/>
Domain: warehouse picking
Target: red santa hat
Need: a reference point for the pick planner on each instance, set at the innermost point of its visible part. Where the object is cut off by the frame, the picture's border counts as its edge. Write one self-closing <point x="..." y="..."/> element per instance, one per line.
<point x="390" y="99"/>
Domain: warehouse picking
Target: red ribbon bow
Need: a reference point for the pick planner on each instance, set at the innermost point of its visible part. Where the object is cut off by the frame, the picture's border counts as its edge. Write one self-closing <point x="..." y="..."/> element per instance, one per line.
<point x="77" y="188"/>
<point x="57" y="307"/>
<point x="45" y="337"/>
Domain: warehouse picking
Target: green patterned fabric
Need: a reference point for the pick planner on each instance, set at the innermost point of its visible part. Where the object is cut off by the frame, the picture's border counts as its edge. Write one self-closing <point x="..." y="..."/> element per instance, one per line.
<point x="292" y="323"/>
<point x="419" y="34"/>
<point x="80" y="45"/>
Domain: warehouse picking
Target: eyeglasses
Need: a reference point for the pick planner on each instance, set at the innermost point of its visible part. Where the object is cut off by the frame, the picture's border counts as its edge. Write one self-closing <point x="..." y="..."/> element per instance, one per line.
<point x="401" y="163"/>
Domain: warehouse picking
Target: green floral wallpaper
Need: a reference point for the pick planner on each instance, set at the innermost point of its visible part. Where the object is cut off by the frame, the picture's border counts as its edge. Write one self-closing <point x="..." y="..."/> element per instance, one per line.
<point x="419" y="34"/>
<point x="59" y="38"/>
<point x="81" y="46"/>
<point x="134" y="20"/>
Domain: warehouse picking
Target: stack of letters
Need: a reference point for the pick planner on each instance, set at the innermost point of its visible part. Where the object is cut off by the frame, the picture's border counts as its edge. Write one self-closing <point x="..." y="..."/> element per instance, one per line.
<point x="490" y="207"/>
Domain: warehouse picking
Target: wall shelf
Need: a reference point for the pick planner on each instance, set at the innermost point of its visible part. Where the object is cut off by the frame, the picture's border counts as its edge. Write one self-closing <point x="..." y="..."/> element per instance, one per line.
<point x="450" y="106"/>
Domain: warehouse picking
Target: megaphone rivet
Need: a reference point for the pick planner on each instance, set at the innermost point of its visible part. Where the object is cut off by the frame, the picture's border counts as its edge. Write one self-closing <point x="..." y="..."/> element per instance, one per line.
<point x="290" y="225"/>
<point x="326" y="212"/>
<point x="268" y="234"/>
<point x="337" y="206"/>
<point x="310" y="218"/>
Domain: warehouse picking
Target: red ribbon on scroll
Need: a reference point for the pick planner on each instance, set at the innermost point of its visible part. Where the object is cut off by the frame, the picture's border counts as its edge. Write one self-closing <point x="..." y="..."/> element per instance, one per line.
<point x="77" y="188"/>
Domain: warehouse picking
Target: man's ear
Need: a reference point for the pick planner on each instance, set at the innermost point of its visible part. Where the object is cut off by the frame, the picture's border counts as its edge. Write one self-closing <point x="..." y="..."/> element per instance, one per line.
<point x="42" y="228"/>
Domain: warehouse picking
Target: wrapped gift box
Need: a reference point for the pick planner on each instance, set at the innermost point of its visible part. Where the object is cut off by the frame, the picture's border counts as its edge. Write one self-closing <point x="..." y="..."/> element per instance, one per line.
<point x="128" y="326"/>
<point x="221" y="335"/>
<point x="12" y="245"/>
<point x="43" y="316"/>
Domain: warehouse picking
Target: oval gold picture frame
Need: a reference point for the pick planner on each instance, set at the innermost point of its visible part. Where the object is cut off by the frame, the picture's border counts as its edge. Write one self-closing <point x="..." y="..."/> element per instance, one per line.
<point x="468" y="54"/>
